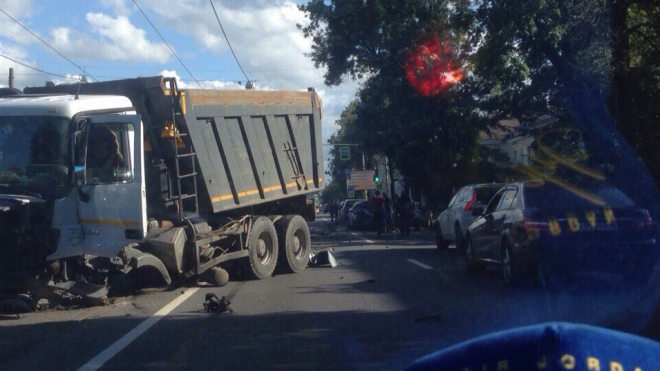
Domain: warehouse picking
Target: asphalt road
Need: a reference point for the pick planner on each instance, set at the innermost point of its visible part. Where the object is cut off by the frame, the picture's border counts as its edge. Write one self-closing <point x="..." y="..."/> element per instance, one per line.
<point x="389" y="302"/>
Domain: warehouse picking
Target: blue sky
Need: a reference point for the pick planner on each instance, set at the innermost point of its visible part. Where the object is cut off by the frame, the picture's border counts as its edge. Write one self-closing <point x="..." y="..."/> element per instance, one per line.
<point x="112" y="39"/>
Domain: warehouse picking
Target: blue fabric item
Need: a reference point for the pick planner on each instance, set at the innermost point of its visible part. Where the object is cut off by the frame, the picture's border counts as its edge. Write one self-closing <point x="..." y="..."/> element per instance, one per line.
<point x="549" y="346"/>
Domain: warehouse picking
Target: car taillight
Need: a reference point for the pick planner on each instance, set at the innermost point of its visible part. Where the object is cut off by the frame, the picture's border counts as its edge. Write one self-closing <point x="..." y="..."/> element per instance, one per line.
<point x="645" y="223"/>
<point x="468" y="206"/>
<point x="536" y="225"/>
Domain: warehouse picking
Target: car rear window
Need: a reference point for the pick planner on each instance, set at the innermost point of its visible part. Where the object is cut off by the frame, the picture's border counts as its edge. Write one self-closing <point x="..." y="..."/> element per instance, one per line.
<point x="485" y="194"/>
<point x="555" y="197"/>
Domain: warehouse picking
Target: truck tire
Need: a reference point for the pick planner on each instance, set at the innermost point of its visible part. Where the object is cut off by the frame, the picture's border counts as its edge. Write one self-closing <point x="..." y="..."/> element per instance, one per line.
<point x="295" y="243"/>
<point x="262" y="248"/>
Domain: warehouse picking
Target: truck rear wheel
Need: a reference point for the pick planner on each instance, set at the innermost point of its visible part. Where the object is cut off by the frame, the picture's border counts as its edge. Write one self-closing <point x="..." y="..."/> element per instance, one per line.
<point x="294" y="243"/>
<point x="262" y="248"/>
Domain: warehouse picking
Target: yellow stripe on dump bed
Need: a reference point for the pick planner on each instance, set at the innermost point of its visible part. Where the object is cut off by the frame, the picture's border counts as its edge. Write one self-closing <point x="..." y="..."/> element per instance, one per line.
<point x="118" y="223"/>
<point x="251" y="192"/>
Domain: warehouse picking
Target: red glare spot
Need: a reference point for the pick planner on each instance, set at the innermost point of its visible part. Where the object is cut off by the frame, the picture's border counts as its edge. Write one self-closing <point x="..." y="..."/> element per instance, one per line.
<point x="431" y="67"/>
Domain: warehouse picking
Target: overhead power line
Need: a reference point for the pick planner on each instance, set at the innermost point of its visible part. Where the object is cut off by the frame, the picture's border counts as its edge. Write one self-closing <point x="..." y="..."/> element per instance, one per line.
<point x="228" y="43"/>
<point x="45" y="43"/>
<point x="168" y="45"/>
<point x="36" y="69"/>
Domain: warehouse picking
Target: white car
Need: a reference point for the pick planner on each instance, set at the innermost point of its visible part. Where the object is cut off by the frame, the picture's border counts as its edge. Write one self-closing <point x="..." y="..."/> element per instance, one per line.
<point x="452" y="223"/>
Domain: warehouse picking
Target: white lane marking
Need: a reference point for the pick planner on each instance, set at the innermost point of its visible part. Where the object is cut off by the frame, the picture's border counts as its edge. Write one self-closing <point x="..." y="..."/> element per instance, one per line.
<point x="120" y="344"/>
<point x="362" y="238"/>
<point x="419" y="264"/>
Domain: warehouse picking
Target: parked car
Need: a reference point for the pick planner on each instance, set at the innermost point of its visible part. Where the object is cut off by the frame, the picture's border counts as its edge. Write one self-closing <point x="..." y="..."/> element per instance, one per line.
<point x="344" y="207"/>
<point x="540" y="227"/>
<point x="360" y="216"/>
<point x="452" y="223"/>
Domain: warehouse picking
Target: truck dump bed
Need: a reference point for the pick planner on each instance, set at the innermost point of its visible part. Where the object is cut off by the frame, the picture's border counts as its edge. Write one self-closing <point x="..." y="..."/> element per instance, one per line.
<point x="251" y="146"/>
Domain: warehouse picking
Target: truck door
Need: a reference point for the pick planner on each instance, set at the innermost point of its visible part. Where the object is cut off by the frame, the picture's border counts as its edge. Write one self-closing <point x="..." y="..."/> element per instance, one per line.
<point x="112" y="206"/>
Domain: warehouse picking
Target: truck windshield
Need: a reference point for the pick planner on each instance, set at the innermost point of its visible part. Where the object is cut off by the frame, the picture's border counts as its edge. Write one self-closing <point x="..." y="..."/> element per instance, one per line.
<point x="34" y="150"/>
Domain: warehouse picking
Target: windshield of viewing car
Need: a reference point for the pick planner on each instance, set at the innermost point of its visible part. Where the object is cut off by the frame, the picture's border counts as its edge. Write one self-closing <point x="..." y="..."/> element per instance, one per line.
<point x="548" y="111"/>
<point x="34" y="150"/>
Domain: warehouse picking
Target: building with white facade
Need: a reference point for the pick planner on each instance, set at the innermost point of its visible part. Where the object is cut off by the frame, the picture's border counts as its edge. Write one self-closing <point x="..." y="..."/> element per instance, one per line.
<point x="515" y="138"/>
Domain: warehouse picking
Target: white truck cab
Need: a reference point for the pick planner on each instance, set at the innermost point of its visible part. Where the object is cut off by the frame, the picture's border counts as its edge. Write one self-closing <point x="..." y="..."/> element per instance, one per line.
<point x="82" y="157"/>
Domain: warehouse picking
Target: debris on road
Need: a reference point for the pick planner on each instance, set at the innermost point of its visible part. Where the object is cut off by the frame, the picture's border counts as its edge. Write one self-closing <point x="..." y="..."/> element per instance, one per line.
<point x="18" y="304"/>
<point x="323" y="258"/>
<point x="215" y="305"/>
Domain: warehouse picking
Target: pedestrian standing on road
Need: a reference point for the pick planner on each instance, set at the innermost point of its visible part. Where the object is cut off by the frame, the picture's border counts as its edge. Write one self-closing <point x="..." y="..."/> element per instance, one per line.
<point x="404" y="207"/>
<point x="388" y="210"/>
<point x="377" y="210"/>
<point x="331" y="210"/>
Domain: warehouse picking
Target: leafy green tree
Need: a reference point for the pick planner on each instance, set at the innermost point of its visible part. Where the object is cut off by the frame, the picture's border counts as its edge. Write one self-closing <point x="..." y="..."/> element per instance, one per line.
<point x="558" y="56"/>
<point x="592" y="63"/>
<point x="635" y="93"/>
<point x="386" y="44"/>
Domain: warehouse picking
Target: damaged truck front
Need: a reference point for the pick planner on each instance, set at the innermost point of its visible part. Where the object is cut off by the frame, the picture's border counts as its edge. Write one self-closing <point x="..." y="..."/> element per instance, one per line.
<point x="127" y="183"/>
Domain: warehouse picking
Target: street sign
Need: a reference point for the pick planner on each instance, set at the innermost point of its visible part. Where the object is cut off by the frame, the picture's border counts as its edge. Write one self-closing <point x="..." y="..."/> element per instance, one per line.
<point x="351" y="191"/>
<point x="361" y="179"/>
<point x="344" y="153"/>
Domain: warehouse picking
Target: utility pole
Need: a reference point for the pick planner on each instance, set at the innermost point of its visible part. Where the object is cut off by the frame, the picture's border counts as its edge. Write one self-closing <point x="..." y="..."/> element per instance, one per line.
<point x="11" y="77"/>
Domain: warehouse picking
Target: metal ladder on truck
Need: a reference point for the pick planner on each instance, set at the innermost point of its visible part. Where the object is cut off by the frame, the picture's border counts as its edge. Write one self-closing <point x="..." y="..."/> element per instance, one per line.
<point x="183" y="151"/>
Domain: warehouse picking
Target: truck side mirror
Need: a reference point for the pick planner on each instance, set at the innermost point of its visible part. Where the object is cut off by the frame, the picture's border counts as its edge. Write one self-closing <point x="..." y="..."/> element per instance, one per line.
<point x="79" y="172"/>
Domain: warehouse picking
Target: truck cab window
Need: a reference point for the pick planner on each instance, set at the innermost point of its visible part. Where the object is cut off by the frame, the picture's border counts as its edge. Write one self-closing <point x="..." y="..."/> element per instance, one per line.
<point x="34" y="151"/>
<point x="108" y="155"/>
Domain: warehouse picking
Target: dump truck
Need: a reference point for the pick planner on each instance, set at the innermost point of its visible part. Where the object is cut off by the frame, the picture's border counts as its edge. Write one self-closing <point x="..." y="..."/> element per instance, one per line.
<point x="118" y="183"/>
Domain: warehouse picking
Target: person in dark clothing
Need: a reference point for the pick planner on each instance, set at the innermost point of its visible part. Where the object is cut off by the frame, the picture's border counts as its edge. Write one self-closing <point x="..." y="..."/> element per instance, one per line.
<point x="377" y="209"/>
<point x="331" y="210"/>
<point x="387" y="205"/>
<point x="403" y="208"/>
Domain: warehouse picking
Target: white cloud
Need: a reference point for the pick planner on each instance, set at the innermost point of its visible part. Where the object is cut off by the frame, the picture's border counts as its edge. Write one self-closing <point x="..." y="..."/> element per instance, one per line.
<point x="119" y="7"/>
<point x="17" y="8"/>
<point x="266" y="41"/>
<point x="114" y="39"/>
<point x="263" y="34"/>
<point x="20" y="11"/>
<point x="182" y="84"/>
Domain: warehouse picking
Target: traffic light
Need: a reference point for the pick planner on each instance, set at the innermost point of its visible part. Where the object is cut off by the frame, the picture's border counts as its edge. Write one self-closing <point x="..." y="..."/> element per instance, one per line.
<point x="376" y="177"/>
